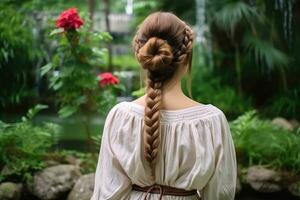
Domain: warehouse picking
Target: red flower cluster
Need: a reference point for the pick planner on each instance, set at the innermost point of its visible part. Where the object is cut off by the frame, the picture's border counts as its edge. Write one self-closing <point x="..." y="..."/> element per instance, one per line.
<point x="69" y="19"/>
<point x="107" y="78"/>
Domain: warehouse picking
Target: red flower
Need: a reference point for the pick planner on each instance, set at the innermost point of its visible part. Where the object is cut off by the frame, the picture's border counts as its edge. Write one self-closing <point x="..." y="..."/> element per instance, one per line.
<point x="69" y="19"/>
<point x="107" y="78"/>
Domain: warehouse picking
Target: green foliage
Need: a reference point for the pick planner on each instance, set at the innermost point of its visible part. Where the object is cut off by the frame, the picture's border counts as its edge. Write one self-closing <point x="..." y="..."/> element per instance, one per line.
<point x="17" y="55"/>
<point x="265" y="53"/>
<point x="73" y="70"/>
<point x="250" y="35"/>
<point x="124" y="62"/>
<point x="211" y="89"/>
<point x="23" y="145"/>
<point x="142" y="8"/>
<point x="88" y="161"/>
<point x="232" y="13"/>
<point x="285" y="104"/>
<point x="140" y="92"/>
<point x="258" y="141"/>
<point x="97" y="140"/>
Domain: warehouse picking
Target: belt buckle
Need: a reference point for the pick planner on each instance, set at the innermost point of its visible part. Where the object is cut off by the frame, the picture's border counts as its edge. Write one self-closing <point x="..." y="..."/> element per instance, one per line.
<point x="153" y="187"/>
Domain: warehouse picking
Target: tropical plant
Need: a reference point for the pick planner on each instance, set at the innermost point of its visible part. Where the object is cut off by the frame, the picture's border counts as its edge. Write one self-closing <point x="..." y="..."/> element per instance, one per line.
<point x="17" y="55"/>
<point x="259" y="141"/>
<point x="23" y="145"/>
<point x="251" y="35"/>
<point x="285" y="104"/>
<point x="211" y="89"/>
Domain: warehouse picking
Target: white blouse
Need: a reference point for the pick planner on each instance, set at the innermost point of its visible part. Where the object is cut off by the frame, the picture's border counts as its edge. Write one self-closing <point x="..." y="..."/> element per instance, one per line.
<point x="196" y="152"/>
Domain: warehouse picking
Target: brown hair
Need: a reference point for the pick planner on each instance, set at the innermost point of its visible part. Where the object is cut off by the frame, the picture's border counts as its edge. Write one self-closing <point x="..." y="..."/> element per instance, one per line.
<point x="162" y="43"/>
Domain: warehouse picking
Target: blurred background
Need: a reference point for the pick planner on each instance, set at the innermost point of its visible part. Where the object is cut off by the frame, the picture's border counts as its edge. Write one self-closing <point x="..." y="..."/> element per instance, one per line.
<point x="64" y="64"/>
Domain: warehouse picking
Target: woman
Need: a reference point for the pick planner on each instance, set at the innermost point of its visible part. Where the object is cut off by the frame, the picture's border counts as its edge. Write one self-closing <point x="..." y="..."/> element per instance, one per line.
<point x="165" y="145"/>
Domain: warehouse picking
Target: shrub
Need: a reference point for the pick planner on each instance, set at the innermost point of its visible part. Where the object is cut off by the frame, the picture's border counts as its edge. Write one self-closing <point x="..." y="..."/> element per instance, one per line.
<point x="210" y="89"/>
<point x="286" y="104"/>
<point x="23" y="146"/>
<point x="258" y="141"/>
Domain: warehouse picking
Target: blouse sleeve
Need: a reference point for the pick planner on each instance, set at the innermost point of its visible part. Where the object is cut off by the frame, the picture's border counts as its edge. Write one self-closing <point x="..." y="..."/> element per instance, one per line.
<point x="111" y="182"/>
<point x="222" y="184"/>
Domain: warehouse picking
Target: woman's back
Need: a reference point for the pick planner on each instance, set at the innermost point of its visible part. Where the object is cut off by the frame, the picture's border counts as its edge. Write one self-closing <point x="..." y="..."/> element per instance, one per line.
<point x="165" y="142"/>
<point x="195" y="147"/>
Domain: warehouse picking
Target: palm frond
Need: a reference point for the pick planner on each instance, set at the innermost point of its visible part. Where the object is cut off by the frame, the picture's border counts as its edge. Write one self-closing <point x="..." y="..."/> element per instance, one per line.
<point x="265" y="53"/>
<point x="232" y="13"/>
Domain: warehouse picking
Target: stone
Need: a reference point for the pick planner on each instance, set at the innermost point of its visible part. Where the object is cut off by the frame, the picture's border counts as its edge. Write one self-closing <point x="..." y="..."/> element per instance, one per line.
<point x="294" y="188"/>
<point x="10" y="191"/>
<point x="283" y="123"/>
<point x="264" y="180"/>
<point x="72" y="160"/>
<point x="54" y="182"/>
<point x="83" y="188"/>
<point x="50" y="163"/>
<point x="295" y="123"/>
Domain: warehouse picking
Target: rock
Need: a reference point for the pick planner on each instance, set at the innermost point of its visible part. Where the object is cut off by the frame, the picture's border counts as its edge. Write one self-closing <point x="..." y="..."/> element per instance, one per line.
<point x="295" y="189"/>
<point x="264" y="180"/>
<point x="72" y="160"/>
<point x="54" y="182"/>
<point x="83" y="188"/>
<point x="10" y="191"/>
<point x="50" y="163"/>
<point x="283" y="123"/>
<point x="295" y="123"/>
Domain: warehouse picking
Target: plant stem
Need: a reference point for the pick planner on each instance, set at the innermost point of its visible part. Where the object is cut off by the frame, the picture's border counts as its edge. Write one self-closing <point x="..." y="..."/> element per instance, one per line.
<point x="86" y="123"/>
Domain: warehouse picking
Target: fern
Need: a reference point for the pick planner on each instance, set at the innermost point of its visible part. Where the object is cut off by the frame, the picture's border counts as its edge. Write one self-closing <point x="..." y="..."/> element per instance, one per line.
<point x="259" y="141"/>
<point x="265" y="53"/>
<point x="232" y="13"/>
<point x="23" y="145"/>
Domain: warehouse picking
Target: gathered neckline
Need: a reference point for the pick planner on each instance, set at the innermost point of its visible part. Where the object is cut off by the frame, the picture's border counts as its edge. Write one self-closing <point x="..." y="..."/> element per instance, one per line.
<point x="185" y="114"/>
<point x="182" y="110"/>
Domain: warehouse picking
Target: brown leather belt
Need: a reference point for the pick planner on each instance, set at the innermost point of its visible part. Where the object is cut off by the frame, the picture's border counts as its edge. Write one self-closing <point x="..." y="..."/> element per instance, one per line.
<point x="164" y="190"/>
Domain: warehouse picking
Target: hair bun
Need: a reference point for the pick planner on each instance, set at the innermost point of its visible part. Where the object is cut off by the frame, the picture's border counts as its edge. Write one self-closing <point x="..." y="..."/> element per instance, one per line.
<point x="155" y="55"/>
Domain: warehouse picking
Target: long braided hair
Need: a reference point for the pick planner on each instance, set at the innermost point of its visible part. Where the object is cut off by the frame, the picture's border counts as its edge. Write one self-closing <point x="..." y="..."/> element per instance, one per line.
<point x="162" y="43"/>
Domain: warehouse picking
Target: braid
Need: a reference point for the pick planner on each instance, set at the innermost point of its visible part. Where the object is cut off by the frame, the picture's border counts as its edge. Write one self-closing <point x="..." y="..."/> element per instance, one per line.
<point x="186" y="46"/>
<point x="160" y="48"/>
<point x="152" y="123"/>
<point x="136" y="44"/>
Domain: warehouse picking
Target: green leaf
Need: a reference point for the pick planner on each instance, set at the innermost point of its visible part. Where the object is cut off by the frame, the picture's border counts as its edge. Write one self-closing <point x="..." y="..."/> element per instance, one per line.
<point x="3" y="125"/>
<point x="46" y="68"/>
<point x="67" y="111"/>
<point x="57" y="85"/>
<point x="233" y="13"/>
<point x="33" y="111"/>
<point x="106" y="36"/>
<point x="138" y="93"/>
<point x="265" y="53"/>
<point x="57" y="31"/>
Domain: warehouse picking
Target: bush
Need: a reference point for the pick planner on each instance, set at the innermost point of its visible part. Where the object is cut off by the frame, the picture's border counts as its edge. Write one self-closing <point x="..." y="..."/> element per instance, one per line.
<point x="286" y="104"/>
<point x="258" y="141"/>
<point x="210" y="89"/>
<point x="23" y="146"/>
<point x="17" y="56"/>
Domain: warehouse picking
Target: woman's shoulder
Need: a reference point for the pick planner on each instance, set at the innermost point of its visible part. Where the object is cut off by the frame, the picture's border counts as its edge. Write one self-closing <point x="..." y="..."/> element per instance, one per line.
<point x="198" y="111"/>
<point x="118" y="107"/>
